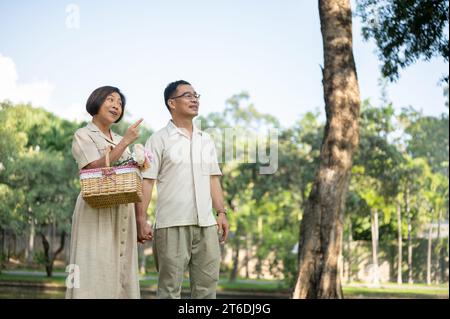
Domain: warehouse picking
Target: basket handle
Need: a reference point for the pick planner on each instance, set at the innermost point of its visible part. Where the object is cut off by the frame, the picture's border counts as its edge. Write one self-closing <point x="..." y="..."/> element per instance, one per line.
<point x="108" y="149"/>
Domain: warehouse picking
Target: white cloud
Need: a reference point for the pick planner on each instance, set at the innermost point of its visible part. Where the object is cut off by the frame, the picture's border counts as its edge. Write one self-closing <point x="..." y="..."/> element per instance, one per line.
<point x="37" y="93"/>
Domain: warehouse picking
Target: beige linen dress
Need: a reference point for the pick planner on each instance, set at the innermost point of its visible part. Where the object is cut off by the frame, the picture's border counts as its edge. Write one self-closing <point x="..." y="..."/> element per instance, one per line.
<point x="103" y="248"/>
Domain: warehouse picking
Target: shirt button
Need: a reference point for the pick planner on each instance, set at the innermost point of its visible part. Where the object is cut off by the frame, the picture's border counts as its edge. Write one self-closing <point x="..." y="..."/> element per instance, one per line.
<point x="124" y="230"/>
<point x="122" y="242"/>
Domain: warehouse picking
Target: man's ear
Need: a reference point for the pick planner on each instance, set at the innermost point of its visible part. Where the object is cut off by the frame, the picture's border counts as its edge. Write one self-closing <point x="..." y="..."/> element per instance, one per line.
<point x="171" y="104"/>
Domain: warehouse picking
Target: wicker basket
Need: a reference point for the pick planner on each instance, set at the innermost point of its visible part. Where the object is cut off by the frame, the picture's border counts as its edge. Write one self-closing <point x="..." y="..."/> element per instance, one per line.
<point x="111" y="186"/>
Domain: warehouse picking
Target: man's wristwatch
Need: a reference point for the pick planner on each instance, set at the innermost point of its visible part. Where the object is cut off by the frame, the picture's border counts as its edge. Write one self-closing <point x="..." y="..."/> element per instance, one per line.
<point x="222" y="211"/>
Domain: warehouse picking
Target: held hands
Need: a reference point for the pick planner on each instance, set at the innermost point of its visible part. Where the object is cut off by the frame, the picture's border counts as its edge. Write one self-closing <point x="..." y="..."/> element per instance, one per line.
<point x="132" y="133"/>
<point x="144" y="231"/>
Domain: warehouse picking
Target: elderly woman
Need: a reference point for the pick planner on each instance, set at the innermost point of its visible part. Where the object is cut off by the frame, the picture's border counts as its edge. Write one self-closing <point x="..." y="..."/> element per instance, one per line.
<point x="103" y="248"/>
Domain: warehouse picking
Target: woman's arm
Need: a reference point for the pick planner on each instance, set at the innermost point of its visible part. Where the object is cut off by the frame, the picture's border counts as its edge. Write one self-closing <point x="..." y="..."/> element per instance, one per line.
<point x="114" y="155"/>
<point x="131" y="135"/>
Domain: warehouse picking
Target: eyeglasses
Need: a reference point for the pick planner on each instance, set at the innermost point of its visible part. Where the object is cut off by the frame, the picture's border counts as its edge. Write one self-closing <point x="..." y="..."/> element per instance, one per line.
<point x="188" y="96"/>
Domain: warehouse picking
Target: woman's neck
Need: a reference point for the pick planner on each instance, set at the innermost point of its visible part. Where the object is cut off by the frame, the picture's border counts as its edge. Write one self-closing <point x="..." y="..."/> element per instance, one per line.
<point x="104" y="127"/>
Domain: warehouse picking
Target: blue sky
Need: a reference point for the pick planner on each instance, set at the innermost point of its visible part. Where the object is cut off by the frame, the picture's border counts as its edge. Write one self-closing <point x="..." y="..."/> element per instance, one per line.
<point x="272" y="49"/>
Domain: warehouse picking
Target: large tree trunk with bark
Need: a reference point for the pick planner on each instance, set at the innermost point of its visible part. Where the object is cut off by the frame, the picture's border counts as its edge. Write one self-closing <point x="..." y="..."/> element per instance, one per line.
<point x="322" y="223"/>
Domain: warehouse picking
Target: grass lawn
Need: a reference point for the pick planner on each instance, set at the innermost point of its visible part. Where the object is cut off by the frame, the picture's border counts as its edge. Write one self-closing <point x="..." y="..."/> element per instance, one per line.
<point x="394" y="292"/>
<point x="242" y="285"/>
<point x="354" y="291"/>
<point x="32" y="279"/>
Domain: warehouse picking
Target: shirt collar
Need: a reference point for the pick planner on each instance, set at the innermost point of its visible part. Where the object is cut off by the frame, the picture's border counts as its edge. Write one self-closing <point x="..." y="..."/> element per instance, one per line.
<point x="93" y="128"/>
<point x="173" y="129"/>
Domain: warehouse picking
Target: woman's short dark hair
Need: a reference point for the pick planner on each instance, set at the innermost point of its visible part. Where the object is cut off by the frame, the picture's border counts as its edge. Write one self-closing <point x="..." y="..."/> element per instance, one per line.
<point x="99" y="96"/>
<point x="171" y="88"/>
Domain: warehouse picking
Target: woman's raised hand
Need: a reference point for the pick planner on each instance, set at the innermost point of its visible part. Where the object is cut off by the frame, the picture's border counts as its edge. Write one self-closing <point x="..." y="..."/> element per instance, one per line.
<point x="132" y="133"/>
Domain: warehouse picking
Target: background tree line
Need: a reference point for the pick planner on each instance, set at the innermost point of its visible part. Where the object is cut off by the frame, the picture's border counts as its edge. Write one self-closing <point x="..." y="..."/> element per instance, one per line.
<point x="398" y="190"/>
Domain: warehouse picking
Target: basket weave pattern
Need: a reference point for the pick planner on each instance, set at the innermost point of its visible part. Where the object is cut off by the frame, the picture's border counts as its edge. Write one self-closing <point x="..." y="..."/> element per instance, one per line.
<point x="111" y="186"/>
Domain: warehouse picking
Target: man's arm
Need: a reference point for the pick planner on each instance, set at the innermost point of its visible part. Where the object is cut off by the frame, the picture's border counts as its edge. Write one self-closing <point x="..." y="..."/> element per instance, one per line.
<point x="219" y="207"/>
<point x="147" y="190"/>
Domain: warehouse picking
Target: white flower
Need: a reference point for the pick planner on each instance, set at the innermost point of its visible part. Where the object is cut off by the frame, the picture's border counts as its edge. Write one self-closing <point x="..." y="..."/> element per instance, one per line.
<point x="139" y="154"/>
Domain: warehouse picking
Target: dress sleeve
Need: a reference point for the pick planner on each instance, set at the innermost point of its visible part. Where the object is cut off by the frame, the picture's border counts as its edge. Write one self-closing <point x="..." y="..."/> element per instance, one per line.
<point x="84" y="149"/>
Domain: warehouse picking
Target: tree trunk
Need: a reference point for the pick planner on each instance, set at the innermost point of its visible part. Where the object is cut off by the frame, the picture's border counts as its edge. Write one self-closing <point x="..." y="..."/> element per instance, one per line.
<point x="67" y="251"/>
<point x="30" y="246"/>
<point x="14" y="245"/>
<point x="247" y="256"/>
<point x="49" y="256"/>
<point x="349" y="252"/>
<point x="259" y="262"/>
<point x="2" y="248"/>
<point x="429" y="248"/>
<point x="235" y="267"/>
<point x="375" y="269"/>
<point x="46" y="246"/>
<point x="61" y="245"/>
<point x="437" y="271"/>
<point x="8" y="255"/>
<point x="410" y="248"/>
<point x="443" y="258"/>
<point x="400" y="244"/>
<point x="52" y="236"/>
<point x="321" y="225"/>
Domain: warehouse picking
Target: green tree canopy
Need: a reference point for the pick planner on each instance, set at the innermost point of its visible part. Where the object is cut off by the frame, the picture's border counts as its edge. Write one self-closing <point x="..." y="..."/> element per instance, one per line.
<point x="405" y="31"/>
